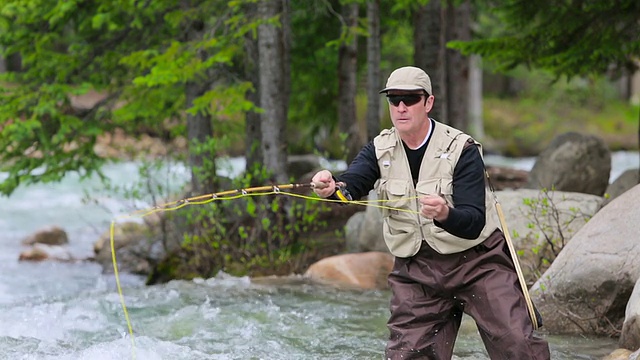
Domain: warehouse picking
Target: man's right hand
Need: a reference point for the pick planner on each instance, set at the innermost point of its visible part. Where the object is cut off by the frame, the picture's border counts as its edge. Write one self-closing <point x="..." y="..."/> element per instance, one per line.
<point x="324" y="184"/>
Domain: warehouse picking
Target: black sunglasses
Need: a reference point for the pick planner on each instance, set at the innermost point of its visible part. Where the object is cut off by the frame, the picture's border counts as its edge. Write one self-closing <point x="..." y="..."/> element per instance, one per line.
<point x="407" y="99"/>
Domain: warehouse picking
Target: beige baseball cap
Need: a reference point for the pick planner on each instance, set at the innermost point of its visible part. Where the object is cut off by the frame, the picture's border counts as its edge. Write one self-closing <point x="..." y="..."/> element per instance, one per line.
<point x="408" y="78"/>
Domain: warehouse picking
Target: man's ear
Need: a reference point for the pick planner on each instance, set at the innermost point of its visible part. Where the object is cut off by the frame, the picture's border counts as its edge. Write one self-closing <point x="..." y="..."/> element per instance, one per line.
<point x="429" y="104"/>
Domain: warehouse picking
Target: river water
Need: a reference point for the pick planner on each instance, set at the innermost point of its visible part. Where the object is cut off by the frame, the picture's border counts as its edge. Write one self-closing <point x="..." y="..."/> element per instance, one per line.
<point x="71" y="311"/>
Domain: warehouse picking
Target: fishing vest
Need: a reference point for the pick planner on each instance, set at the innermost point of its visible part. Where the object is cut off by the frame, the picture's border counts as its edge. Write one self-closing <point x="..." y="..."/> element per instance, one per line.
<point x="404" y="228"/>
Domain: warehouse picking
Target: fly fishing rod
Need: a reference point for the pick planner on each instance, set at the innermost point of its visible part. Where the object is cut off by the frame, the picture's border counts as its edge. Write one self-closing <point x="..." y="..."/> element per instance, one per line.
<point x="514" y="257"/>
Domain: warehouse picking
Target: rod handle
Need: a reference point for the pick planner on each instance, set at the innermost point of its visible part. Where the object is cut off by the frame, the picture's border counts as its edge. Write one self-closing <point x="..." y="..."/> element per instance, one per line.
<point x="319" y="185"/>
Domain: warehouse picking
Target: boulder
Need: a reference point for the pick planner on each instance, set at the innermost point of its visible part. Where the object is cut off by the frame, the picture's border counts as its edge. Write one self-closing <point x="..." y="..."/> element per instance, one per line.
<point x="42" y="252"/>
<point x="621" y="184"/>
<point x="367" y="270"/>
<point x="139" y="246"/>
<point x="618" y="354"/>
<point x="503" y="178"/>
<point x="573" y="162"/>
<point x="587" y="288"/>
<point x="541" y="223"/>
<point x="352" y="231"/>
<point x="52" y="235"/>
<point x="630" y="337"/>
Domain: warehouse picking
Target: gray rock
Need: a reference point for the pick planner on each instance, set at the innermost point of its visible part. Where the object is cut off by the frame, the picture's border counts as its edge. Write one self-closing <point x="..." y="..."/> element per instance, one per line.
<point x="586" y="289"/>
<point x="620" y="185"/>
<point x="52" y="235"/>
<point x="573" y="162"/>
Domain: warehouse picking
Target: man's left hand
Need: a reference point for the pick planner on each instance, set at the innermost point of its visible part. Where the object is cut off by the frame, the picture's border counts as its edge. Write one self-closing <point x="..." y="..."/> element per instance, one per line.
<point x="434" y="207"/>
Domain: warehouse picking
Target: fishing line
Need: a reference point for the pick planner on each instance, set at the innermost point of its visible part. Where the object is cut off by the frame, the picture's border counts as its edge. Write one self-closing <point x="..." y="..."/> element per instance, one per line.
<point x="225" y="195"/>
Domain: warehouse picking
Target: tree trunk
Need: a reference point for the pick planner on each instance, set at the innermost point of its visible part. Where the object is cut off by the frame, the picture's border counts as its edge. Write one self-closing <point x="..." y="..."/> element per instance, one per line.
<point x="347" y="82"/>
<point x="434" y="26"/>
<point x="272" y="87"/>
<point x="199" y="128"/>
<point x="476" y="124"/>
<point x="373" y="69"/>
<point x="13" y="62"/>
<point x="458" y="20"/>
<point x="287" y="35"/>
<point x="253" y="137"/>
<point x="429" y="54"/>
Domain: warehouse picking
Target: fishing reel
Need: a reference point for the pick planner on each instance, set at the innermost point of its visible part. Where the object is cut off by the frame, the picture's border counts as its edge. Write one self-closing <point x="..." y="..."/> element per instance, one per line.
<point x="342" y="193"/>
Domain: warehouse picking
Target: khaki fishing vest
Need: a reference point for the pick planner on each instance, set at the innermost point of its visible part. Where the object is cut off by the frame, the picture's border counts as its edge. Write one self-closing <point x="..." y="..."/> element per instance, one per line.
<point x="404" y="228"/>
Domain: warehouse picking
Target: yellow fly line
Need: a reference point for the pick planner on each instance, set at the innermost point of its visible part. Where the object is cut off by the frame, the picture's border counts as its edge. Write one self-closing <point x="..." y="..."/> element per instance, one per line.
<point x="226" y="195"/>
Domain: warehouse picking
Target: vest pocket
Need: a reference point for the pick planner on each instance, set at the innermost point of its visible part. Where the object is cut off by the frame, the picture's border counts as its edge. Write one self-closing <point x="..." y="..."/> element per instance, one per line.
<point x="428" y="187"/>
<point x="437" y="186"/>
<point x="440" y="186"/>
<point x="396" y="194"/>
<point x="400" y="237"/>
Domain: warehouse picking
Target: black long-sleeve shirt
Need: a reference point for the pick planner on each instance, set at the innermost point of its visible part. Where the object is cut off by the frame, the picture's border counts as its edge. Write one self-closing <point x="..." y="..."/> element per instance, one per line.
<point x="466" y="219"/>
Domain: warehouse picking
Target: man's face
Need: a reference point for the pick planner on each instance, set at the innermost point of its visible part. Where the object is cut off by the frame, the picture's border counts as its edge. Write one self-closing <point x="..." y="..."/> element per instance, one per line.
<point x="409" y="110"/>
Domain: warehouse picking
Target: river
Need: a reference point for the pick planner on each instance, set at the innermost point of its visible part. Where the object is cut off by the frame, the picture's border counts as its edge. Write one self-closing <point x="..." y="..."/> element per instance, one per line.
<point x="72" y="311"/>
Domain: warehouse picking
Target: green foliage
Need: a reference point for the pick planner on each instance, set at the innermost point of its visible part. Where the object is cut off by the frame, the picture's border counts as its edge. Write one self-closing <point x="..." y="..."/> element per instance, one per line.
<point x="343" y="145"/>
<point x="565" y="37"/>
<point x="398" y="46"/>
<point x="408" y="5"/>
<point x="317" y="30"/>
<point x="142" y="55"/>
<point x="314" y="67"/>
<point x="551" y="228"/>
<point x="40" y="141"/>
<point x="543" y="110"/>
<point x="593" y="91"/>
<point x="254" y="235"/>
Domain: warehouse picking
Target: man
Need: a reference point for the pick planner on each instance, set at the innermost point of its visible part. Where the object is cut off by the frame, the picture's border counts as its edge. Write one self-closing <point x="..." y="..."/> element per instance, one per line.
<point x="441" y="225"/>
